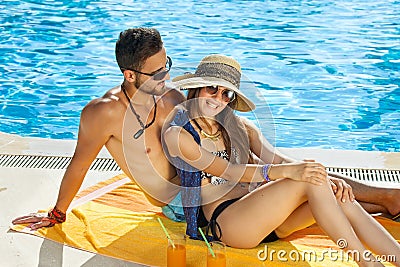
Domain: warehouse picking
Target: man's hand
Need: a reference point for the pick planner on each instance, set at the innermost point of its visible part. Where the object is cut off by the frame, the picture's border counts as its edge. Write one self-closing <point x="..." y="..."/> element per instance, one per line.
<point x="36" y="220"/>
<point x="39" y="220"/>
<point x="342" y="190"/>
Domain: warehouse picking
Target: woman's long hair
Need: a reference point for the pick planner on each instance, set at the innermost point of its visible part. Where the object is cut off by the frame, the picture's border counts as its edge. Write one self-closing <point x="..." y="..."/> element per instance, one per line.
<point x="234" y="133"/>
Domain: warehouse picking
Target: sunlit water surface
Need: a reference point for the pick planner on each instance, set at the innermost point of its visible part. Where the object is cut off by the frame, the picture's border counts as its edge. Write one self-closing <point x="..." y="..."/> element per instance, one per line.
<point x="327" y="71"/>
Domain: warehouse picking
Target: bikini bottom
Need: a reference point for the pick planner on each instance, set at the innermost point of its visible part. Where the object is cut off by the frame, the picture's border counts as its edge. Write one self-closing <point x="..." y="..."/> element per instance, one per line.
<point x="212" y="225"/>
<point x="174" y="210"/>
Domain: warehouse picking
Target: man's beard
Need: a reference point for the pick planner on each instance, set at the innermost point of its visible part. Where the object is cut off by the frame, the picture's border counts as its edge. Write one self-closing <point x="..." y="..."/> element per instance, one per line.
<point x="150" y="87"/>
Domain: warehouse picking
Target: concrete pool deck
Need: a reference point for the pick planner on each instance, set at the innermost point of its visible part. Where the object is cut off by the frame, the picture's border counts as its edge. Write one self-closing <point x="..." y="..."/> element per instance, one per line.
<point x="24" y="190"/>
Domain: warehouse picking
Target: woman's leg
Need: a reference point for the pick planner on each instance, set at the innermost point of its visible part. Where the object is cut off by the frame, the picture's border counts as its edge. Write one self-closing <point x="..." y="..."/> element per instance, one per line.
<point x="370" y="232"/>
<point x="265" y="209"/>
<point x="300" y="218"/>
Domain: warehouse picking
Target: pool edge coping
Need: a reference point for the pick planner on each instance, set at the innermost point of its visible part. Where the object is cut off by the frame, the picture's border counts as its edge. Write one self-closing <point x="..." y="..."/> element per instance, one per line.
<point x="17" y="145"/>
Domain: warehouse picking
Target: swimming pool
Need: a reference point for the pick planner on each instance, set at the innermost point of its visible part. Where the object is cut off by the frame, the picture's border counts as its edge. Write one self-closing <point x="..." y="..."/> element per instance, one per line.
<point x="328" y="70"/>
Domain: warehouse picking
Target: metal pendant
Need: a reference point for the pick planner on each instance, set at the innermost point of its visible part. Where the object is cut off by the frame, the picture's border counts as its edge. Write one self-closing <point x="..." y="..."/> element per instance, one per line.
<point x="213" y="137"/>
<point x="138" y="133"/>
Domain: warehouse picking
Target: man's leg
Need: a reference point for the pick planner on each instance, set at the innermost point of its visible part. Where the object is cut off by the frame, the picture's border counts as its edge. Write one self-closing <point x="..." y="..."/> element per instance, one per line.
<point x="375" y="199"/>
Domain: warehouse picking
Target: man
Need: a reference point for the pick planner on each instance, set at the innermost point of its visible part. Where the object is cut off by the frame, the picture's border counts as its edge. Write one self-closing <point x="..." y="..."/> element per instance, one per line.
<point x="110" y="121"/>
<point x="128" y="120"/>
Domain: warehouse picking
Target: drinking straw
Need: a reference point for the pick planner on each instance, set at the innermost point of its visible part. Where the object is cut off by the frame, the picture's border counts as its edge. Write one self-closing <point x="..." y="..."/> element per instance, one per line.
<point x="208" y="244"/>
<point x="166" y="233"/>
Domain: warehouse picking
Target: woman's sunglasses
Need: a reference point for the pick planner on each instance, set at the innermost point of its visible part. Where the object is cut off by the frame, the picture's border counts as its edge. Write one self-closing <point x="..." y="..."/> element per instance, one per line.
<point x="227" y="95"/>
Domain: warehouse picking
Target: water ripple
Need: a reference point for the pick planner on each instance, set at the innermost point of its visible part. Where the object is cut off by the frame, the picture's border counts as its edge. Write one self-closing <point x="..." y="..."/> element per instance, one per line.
<point x="327" y="72"/>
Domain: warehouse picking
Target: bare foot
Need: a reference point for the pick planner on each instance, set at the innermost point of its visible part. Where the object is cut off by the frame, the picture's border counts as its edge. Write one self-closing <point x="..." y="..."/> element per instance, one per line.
<point x="392" y="203"/>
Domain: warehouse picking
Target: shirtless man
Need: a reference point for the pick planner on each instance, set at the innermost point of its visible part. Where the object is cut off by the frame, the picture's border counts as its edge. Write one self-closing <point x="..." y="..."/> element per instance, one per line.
<point x="111" y="121"/>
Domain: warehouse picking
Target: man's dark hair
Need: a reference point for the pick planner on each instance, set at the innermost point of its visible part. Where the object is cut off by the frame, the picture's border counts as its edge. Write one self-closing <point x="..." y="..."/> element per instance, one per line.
<point x="136" y="45"/>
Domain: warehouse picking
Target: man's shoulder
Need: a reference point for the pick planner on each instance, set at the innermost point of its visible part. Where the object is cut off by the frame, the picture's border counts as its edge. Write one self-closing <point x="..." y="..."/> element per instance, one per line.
<point x="172" y="97"/>
<point x="107" y="105"/>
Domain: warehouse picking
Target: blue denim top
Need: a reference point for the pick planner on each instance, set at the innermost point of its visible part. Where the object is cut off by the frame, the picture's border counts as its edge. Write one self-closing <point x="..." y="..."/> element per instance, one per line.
<point x="190" y="179"/>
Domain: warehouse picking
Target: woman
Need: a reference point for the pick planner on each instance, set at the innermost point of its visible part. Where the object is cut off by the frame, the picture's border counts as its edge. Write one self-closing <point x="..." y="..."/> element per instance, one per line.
<point x="210" y="145"/>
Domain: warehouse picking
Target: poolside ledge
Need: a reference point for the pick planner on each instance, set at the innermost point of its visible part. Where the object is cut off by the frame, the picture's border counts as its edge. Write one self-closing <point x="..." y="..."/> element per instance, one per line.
<point x="16" y="145"/>
<point x="24" y="190"/>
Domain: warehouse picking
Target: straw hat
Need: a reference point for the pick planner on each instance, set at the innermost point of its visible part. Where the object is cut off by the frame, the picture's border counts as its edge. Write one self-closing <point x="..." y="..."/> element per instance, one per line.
<point x="217" y="70"/>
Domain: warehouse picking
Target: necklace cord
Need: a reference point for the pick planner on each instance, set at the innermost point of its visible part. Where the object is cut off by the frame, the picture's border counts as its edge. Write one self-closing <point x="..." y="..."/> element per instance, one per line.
<point x="137" y="115"/>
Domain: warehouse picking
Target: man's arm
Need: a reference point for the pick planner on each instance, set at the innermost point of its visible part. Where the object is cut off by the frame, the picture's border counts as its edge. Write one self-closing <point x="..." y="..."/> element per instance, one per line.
<point x="263" y="149"/>
<point x="269" y="154"/>
<point x="91" y="138"/>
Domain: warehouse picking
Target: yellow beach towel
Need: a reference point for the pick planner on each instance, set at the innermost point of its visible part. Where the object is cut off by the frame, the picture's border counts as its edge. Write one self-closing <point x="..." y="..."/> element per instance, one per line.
<point x="115" y="219"/>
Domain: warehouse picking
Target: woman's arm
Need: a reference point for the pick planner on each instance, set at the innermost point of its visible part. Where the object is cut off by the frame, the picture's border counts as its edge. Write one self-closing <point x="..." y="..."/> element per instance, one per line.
<point x="181" y="144"/>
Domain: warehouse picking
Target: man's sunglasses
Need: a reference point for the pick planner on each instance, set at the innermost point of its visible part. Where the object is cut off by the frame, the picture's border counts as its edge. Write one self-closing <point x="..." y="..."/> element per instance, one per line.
<point x="157" y="75"/>
<point x="227" y="95"/>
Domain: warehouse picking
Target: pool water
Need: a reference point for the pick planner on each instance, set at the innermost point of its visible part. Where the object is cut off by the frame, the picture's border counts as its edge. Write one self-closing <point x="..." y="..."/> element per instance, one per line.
<point x="328" y="71"/>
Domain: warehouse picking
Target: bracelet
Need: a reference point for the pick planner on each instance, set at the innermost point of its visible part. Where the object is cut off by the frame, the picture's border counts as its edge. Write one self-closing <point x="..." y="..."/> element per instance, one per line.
<point x="55" y="216"/>
<point x="265" y="171"/>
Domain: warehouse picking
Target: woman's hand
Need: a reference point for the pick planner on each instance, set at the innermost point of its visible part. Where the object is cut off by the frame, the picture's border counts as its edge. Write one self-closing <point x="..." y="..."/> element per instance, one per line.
<point x="311" y="172"/>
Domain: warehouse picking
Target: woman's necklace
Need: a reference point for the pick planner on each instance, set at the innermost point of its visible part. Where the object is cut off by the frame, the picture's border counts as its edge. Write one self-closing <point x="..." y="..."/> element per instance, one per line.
<point x="213" y="137"/>
<point x="144" y="127"/>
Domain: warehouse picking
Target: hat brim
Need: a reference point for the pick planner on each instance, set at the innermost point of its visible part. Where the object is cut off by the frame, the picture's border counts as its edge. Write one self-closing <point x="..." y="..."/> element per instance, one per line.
<point x="191" y="81"/>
